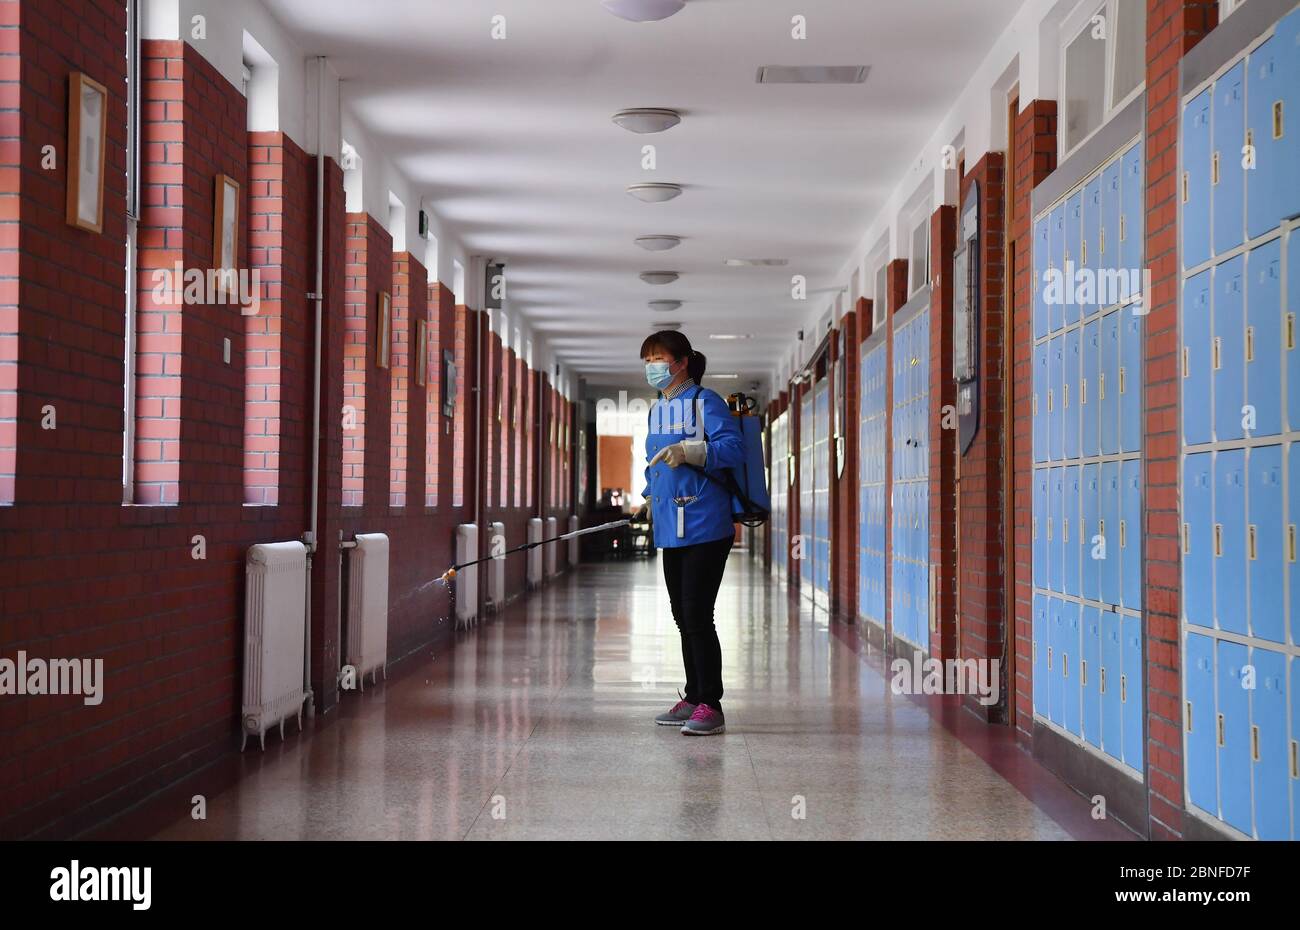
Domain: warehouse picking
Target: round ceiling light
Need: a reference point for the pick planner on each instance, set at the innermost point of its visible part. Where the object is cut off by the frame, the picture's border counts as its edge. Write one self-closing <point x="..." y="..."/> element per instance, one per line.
<point x="665" y="306"/>
<point x="659" y="277"/>
<point x="659" y="243"/>
<point x="643" y="11"/>
<point x="654" y="192"/>
<point x="647" y="119"/>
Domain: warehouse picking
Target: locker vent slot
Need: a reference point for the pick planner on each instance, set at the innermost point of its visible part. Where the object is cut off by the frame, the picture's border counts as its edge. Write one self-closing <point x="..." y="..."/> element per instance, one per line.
<point x="1277" y="119"/>
<point x="1254" y="742"/>
<point x="1218" y="725"/>
<point x="1218" y="540"/>
<point x="1250" y="541"/>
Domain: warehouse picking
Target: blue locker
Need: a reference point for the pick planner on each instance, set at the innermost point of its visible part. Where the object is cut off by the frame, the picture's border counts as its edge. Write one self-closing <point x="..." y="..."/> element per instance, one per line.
<point x="1090" y="674"/>
<point x="1291" y="334"/>
<point x="1196" y="359"/>
<point x="1194" y="185"/>
<point x="1292" y="541"/>
<point x="1112" y="710"/>
<point x="1089" y="515"/>
<point x="1265" y="336"/>
<point x="1055" y="374"/>
<point x="1266" y="543"/>
<point x="1198" y="539"/>
<point x="1110" y="511"/>
<point x="1200" y="725"/>
<point x="1073" y="255"/>
<point x="1090" y="246"/>
<point x="1041" y="640"/>
<point x="1070" y="640"/>
<point x="1090" y="437"/>
<point x="1270" y="760"/>
<point x="1130" y="382"/>
<point x="1055" y="547"/>
<point x="1110" y="246"/>
<point x="1294" y="748"/>
<point x="1132" y="225"/>
<point x="1130" y="534"/>
<point x="1056" y="258"/>
<point x="1234" y="736"/>
<point x="1227" y="177"/>
<point x="1230" y="540"/>
<point x="1271" y="191"/>
<point x="1228" y="352"/>
<point x="1056" y="684"/>
<point x="1108" y="384"/>
<point x="1070" y="395"/>
<point x="1040" y="413"/>
<point x="1131" y="693"/>
<point x="1070" y="530"/>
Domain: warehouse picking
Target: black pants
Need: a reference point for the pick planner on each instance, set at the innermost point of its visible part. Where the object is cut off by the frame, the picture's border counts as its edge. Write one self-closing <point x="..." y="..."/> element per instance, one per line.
<point x="693" y="575"/>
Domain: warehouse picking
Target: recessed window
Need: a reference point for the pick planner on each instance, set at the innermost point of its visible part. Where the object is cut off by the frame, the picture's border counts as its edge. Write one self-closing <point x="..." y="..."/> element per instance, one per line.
<point x="1102" y="64"/>
<point x="919" y="265"/>
<point x="880" y="307"/>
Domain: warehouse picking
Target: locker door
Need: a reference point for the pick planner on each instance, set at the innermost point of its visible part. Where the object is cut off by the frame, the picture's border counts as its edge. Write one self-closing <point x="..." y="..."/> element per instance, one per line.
<point x="1194" y="185"/>
<point x="1130" y="382"/>
<point x="1108" y="384"/>
<point x="1234" y="735"/>
<point x="1293" y="748"/>
<point x="1130" y="534"/>
<point x="1131" y="692"/>
<point x="1055" y="420"/>
<point x="1228" y="351"/>
<point x="1265" y="336"/>
<point x="1132" y="225"/>
<point x="1196" y="359"/>
<point x="1090" y="247"/>
<point x="1056" y="256"/>
<point x="1042" y="247"/>
<point x="1268" y="746"/>
<point x="1110" y="510"/>
<point x="1073" y="255"/>
<point x="1070" y="395"/>
<point x="1038" y="528"/>
<point x="1230" y="540"/>
<point x="1040" y="402"/>
<point x="1291" y="334"/>
<point x="1055" y="547"/>
<point x="1090" y="675"/>
<point x="1070" y="640"/>
<point x="1227" y="177"/>
<point x="1271" y="191"/>
<point x="1070" y="530"/>
<point x="1266" y="543"/>
<point x="1042" y="640"/>
<point x="1090" y="439"/>
<point x="1198" y="539"/>
<point x="1089" y="515"/>
<point x="1292" y="540"/>
<point x="1111" y="669"/>
<point x="1199" y="724"/>
<point x="1110" y="245"/>
<point x="1056" y="704"/>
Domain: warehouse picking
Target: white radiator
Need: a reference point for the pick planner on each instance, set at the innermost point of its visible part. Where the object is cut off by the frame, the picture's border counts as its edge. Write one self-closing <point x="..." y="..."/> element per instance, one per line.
<point x="496" y="569"/>
<point x="368" y="607"/>
<point x="535" y="554"/>
<point x="574" y="526"/>
<point x="466" y="582"/>
<point x="275" y="630"/>
<point x="552" y="530"/>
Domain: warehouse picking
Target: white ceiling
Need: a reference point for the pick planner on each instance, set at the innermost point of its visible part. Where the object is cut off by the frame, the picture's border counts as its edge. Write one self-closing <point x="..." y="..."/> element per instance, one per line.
<point x="512" y="141"/>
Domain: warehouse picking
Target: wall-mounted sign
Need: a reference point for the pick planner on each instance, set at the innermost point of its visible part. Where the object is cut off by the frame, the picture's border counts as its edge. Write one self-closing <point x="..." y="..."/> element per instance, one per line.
<point x="966" y="320"/>
<point x="841" y="393"/>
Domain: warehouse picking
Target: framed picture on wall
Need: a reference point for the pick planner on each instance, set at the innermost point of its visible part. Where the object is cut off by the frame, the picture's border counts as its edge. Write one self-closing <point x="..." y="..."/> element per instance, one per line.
<point x="422" y="352"/>
<point x="448" y="383"/>
<point x="87" y="128"/>
<point x="383" y="352"/>
<point x="225" y="233"/>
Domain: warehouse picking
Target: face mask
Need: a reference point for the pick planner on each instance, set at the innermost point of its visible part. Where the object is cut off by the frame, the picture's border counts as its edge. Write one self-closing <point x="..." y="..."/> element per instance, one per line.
<point x="658" y="374"/>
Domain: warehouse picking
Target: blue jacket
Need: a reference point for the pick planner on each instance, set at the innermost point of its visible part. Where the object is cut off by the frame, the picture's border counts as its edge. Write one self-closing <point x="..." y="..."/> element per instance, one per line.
<point x="686" y="507"/>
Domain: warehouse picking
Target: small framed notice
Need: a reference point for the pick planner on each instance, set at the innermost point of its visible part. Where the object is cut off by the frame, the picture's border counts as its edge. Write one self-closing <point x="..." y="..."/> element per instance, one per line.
<point x="87" y="128"/>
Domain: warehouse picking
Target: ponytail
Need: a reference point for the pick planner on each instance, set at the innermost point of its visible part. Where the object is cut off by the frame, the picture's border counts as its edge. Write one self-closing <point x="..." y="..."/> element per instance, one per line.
<point x="696" y="365"/>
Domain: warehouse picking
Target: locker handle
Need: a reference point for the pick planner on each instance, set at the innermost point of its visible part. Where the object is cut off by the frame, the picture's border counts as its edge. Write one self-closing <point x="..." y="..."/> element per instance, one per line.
<point x="1186" y="186"/>
<point x="1218" y="540"/>
<point x="1035" y="528"/>
<point x="1122" y="379"/>
<point x="1295" y="759"/>
<point x="1083" y="392"/>
<point x="1065" y="665"/>
<point x="1219" y="728"/>
<point x="1290" y="331"/>
<point x="1189" y="716"/>
<point x="1084" y="250"/>
<point x="1101" y="386"/>
<point x="1290" y="542"/>
<point x="1123" y="689"/>
<point x="1254" y="743"/>
<point x="1123" y="227"/>
<point x="1277" y="119"/>
<point x="1187" y="362"/>
<point x="1065" y="530"/>
<point x="1101" y="243"/>
<point x="1049" y="400"/>
<point x="1083" y="672"/>
<point x="1123" y="536"/>
<point x="1217" y="345"/>
<point x="1035" y="405"/>
<point x="1250" y="343"/>
<point x="1065" y="397"/>
<point x="1187" y="538"/>
<point x="1102" y="680"/>
<point x="1214" y="168"/>
<point x="1049" y="658"/>
<point x="1250" y="541"/>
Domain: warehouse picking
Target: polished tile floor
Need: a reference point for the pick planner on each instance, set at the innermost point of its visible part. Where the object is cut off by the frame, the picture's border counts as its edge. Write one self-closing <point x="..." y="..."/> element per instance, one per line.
<point x="537" y="725"/>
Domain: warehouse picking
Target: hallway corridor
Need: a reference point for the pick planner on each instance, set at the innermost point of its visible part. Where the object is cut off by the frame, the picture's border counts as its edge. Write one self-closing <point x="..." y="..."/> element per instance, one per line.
<point x="542" y="716"/>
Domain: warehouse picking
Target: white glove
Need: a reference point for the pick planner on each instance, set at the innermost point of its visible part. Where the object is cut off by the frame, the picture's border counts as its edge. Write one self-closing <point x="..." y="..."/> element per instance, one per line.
<point x="688" y="451"/>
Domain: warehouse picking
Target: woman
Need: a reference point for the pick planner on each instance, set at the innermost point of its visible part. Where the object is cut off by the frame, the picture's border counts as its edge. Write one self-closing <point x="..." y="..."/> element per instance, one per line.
<point x="692" y="436"/>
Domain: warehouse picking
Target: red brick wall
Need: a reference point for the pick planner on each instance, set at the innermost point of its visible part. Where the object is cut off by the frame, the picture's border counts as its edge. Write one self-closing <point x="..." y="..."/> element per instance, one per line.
<point x="979" y="491"/>
<point x="943" y="442"/>
<point x="1173" y="28"/>
<point x="10" y="194"/>
<point x="1034" y="159"/>
<point x="410" y="304"/>
<point x="844" y="491"/>
<point x="896" y="283"/>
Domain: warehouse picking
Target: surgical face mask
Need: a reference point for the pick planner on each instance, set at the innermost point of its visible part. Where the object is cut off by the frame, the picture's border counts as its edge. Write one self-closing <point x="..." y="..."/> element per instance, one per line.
<point x="658" y="374"/>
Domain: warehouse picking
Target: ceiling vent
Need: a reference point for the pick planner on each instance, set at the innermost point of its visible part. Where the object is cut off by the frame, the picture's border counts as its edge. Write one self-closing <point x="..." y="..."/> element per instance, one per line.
<point x="813" y="74"/>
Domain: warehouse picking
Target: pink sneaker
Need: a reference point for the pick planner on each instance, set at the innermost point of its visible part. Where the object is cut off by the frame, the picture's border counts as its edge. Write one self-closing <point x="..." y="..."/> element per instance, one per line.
<point x="680" y="713"/>
<point x="705" y="722"/>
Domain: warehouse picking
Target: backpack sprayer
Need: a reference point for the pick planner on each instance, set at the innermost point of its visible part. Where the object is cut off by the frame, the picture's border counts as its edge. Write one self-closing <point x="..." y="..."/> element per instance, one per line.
<point x="451" y="572"/>
<point x="751" y="505"/>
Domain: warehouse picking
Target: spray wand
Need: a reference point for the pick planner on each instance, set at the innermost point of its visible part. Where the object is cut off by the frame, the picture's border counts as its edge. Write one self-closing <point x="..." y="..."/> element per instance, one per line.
<point x="451" y="572"/>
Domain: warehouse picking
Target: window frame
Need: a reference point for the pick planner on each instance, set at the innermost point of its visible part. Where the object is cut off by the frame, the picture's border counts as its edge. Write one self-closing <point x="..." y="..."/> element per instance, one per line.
<point x="1072" y="25"/>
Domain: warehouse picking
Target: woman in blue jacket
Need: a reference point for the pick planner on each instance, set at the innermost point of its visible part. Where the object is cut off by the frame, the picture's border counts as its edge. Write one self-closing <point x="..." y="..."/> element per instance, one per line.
<point x="692" y="432"/>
